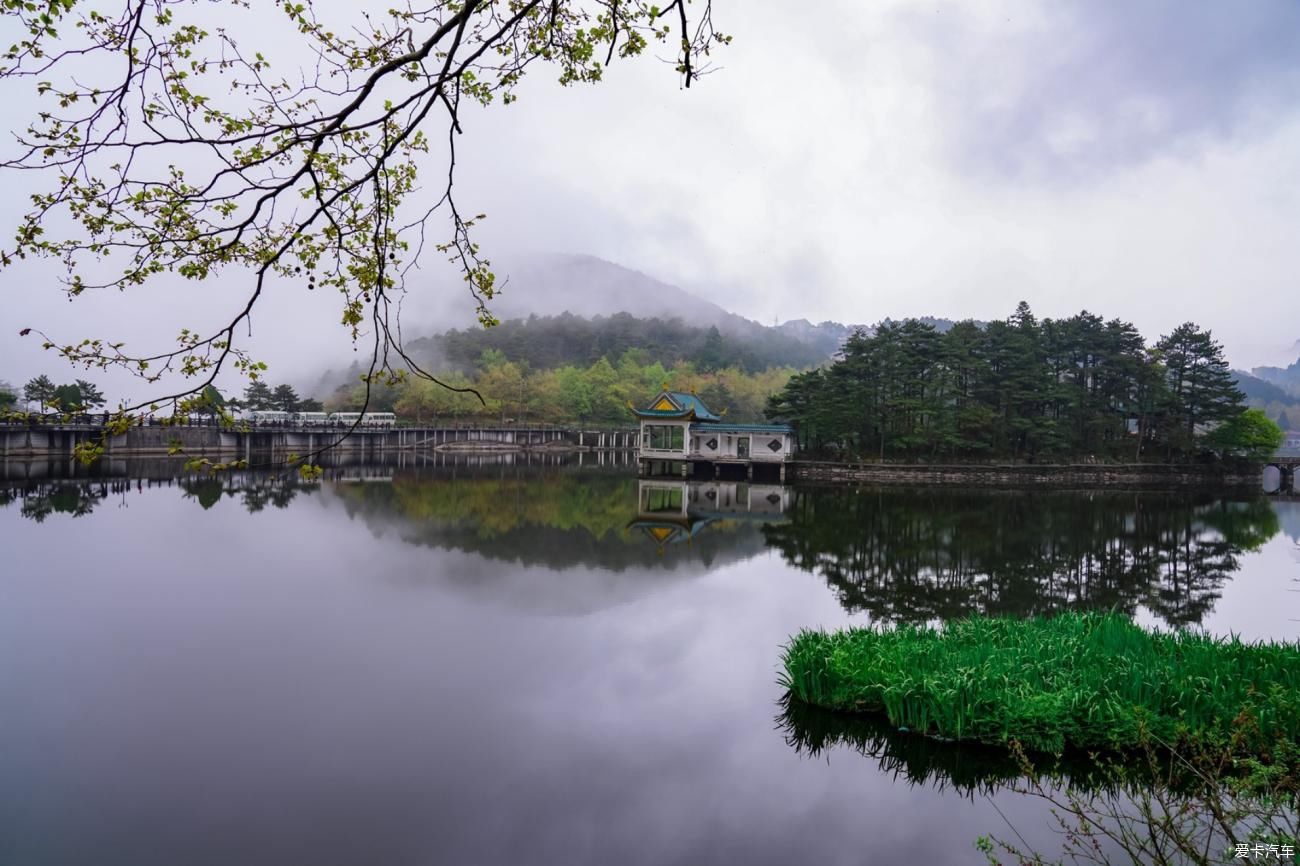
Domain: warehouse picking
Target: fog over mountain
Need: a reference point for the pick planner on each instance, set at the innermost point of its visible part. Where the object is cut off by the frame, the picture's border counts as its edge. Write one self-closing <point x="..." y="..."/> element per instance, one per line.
<point x="550" y="284"/>
<point x="1286" y="378"/>
<point x="540" y="289"/>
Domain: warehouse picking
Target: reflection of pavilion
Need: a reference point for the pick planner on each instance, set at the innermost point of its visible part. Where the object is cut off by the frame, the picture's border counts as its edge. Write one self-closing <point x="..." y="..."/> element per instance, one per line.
<point x="672" y="511"/>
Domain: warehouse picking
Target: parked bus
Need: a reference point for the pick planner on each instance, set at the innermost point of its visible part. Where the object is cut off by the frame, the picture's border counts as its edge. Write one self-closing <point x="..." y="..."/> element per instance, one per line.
<point x="370" y="419"/>
<point x="266" y="416"/>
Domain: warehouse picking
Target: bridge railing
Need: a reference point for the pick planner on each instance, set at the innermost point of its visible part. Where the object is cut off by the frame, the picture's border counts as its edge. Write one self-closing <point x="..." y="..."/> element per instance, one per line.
<point x="98" y="420"/>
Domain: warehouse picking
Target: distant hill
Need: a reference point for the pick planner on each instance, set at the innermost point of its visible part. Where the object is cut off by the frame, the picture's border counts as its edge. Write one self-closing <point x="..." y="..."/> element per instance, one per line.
<point x="567" y="308"/>
<point x="549" y="285"/>
<point x="1286" y="378"/>
<point x="825" y="338"/>
<point x="557" y="283"/>
<point x="1280" y="404"/>
<point x="1256" y="388"/>
<point x="546" y="342"/>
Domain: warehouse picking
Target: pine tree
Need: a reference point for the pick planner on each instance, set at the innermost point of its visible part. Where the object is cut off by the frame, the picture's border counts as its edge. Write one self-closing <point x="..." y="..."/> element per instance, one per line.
<point x="258" y="395"/>
<point x="284" y="398"/>
<point x="39" y="390"/>
<point x="1202" y="390"/>
<point x="91" y="396"/>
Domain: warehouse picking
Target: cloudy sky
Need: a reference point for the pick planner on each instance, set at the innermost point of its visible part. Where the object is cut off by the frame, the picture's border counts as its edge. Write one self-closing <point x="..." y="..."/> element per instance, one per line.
<point x="852" y="161"/>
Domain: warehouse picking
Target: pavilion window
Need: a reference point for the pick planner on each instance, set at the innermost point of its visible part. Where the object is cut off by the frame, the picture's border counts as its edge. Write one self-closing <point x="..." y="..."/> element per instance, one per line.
<point x="664" y="437"/>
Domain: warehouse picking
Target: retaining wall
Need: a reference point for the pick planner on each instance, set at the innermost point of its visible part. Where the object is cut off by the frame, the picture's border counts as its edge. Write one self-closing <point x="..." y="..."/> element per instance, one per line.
<point x="1024" y="475"/>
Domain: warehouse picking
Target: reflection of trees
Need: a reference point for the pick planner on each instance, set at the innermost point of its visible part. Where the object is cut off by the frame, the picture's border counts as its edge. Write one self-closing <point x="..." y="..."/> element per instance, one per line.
<point x="43" y="500"/>
<point x="255" y="490"/>
<point x="207" y="491"/>
<point x="968" y="768"/>
<point x="561" y="518"/>
<point x="40" y="499"/>
<point x="911" y="556"/>
<point x="276" y="492"/>
<point x="1148" y="805"/>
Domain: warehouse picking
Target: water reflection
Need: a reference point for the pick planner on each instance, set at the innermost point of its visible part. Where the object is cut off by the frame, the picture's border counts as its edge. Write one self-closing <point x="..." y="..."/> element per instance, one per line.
<point x="1147" y="806"/>
<point x="559" y="518"/>
<point x="479" y="662"/>
<point x="73" y="500"/>
<point x="38" y="499"/>
<point x="897" y="555"/>
<point x="914" y="556"/>
<point x="673" y="512"/>
<point x="969" y="769"/>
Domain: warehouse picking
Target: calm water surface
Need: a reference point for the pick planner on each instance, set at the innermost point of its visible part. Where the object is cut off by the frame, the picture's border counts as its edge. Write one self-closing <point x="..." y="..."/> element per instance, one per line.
<point x="500" y="664"/>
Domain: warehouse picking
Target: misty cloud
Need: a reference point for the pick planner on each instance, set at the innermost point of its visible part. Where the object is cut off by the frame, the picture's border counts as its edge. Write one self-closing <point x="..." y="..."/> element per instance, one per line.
<point x="1066" y="90"/>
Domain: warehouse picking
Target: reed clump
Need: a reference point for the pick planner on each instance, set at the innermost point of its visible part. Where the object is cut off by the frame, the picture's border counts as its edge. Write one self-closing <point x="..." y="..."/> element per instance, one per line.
<point x="1091" y="681"/>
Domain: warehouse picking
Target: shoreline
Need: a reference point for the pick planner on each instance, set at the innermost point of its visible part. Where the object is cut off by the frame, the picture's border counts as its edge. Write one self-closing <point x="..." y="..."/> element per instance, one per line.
<point x="36" y="443"/>
<point x="1015" y="475"/>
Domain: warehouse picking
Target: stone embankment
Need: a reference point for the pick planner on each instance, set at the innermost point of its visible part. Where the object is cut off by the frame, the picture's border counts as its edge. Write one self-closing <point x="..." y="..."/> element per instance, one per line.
<point x="1121" y="475"/>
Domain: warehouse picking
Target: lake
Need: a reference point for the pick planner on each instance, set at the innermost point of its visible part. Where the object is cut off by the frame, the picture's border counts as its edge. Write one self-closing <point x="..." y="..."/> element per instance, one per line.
<point x="480" y="661"/>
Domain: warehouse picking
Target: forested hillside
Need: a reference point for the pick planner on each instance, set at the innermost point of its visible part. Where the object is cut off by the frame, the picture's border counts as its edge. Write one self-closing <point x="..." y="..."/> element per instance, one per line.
<point x="544" y="342"/>
<point x="592" y="394"/>
<point x="569" y="369"/>
<point x="1278" y="395"/>
<point x="1022" y="389"/>
<point x="1286" y="378"/>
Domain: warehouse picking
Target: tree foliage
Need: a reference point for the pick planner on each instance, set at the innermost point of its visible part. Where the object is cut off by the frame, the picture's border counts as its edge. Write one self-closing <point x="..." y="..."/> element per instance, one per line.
<point x="552" y="341"/>
<point x="285" y="398"/>
<point x="1018" y="388"/>
<point x="189" y="150"/>
<point x="67" y="398"/>
<point x="258" y="395"/>
<point x="78" y="396"/>
<point x="91" y="396"/>
<point x="1250" y="435"/>
<point x="39" y="390"/>
<point x="595" y="394"/>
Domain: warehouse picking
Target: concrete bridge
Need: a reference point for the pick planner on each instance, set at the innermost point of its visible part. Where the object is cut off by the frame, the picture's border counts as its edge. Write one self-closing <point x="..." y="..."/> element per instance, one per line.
<point x="23" y="440"/>
<point x="1286" y="465"/>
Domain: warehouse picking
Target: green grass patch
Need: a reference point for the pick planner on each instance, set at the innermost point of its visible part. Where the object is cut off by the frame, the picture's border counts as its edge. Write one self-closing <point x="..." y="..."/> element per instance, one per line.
<point x="1072" y="681"/>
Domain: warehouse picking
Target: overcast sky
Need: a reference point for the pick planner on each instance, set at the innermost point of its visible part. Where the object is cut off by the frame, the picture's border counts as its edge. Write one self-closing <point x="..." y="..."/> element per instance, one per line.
<point x="853" y="161"/>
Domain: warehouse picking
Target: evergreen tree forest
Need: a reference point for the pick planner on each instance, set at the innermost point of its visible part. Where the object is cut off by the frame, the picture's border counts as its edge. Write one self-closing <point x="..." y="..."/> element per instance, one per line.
<point x="547" y="342"/>
<point x="1017" y="389"/>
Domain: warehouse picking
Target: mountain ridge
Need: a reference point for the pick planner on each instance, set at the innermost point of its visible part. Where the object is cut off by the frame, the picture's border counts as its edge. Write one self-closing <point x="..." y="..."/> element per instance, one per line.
<point x="585" y="285"/>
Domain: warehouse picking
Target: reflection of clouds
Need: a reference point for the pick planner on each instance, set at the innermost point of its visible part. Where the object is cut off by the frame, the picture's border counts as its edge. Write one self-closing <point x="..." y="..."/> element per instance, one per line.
<point x="1288" y="517"/>
<point x="565" y="567"/>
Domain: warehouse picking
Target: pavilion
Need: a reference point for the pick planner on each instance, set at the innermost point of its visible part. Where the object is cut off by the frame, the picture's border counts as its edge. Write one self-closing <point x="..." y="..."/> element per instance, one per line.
<point x="680" y="435"/>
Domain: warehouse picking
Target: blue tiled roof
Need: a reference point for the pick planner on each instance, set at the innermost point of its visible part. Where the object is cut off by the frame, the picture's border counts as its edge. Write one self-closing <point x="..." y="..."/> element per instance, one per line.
<point x="690" y="401"/>
<point x="691" y="407"/>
